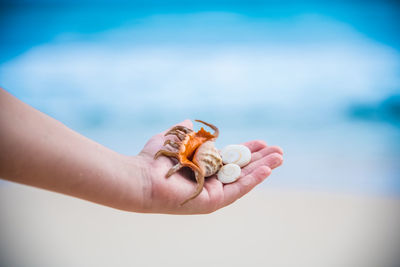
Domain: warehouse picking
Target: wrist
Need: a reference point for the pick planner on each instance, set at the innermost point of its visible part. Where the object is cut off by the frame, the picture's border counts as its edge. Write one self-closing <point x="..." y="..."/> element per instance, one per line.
<point x="136" y="191"/>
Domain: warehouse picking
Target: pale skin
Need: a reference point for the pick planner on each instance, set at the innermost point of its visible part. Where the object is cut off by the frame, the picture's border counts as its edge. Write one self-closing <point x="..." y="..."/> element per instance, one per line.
<point x="38" y="150"/>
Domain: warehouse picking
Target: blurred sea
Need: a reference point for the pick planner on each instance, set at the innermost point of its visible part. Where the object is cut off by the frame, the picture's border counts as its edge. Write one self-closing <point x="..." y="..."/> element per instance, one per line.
<point x="320" y="80"/>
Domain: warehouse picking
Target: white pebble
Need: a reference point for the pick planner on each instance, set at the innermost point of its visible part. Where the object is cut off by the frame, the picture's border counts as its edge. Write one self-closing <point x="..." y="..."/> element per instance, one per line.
<point x="229" y="173"/>
<point x="238" y="154"/>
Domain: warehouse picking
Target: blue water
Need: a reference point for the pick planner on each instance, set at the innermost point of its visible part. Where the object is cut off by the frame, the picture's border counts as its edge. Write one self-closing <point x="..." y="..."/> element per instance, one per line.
<point x="319" y="79"/>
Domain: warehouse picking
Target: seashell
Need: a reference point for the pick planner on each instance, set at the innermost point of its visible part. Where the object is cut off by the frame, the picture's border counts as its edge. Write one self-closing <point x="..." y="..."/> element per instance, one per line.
<point x="229" y="173"/>
<point x="238" y="154"/>
<point x="194" y="150"/>
<point x="208" y="158"/>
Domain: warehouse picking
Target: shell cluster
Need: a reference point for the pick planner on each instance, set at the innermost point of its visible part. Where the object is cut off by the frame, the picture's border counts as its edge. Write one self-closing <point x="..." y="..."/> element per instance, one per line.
<point x="235" y="157"/>
<point x="196" y="150"/>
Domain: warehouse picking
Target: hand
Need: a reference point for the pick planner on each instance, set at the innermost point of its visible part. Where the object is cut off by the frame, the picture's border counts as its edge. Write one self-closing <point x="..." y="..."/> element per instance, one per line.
<point x="164" y="195"/>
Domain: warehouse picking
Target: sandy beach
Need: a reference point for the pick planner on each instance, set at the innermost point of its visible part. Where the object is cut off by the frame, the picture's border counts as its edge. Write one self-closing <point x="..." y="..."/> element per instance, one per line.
<point x="268" y="227"/>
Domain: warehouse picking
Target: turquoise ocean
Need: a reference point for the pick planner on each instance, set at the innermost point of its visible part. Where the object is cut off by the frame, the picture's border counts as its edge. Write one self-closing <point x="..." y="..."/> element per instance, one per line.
<point x="319" y="79"/>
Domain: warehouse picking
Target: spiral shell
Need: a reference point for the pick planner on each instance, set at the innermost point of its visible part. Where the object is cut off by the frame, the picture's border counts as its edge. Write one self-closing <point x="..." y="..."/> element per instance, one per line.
<point x="229" y="173"/>
<point x="208" y="158"/>
<point x="238" y="154"/>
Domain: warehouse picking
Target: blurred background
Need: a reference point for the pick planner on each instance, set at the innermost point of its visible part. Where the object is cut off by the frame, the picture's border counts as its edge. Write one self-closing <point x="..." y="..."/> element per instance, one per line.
<point x="321" y="79"/>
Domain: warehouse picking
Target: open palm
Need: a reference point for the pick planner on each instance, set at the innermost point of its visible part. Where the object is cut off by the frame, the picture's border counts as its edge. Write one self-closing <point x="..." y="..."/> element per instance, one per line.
<point x="166" y="194"/>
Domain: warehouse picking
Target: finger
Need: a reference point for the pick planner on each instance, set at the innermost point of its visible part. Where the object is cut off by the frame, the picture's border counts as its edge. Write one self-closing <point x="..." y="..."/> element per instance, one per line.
<point x="255" y="145"/>
<point x="242" y="186"/>
<point x="272" y="161"/>
<point x="266" y="151"/>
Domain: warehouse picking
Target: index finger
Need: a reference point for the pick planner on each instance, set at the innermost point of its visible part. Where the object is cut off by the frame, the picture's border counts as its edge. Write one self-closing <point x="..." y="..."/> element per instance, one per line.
<point x="255" y="145"/>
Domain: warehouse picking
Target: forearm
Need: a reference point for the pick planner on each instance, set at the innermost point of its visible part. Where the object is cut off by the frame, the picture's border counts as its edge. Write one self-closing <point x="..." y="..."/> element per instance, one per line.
<point x="40" y="151"/>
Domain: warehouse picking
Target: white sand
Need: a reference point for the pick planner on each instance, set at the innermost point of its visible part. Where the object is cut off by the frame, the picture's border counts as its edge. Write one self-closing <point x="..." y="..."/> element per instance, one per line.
<point x="265" y="228"/>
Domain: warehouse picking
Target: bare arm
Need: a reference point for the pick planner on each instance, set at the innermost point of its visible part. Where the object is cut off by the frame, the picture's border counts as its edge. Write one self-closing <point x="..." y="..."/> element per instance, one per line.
<point x="37" y="150"/>
<point x="40" y="151"/>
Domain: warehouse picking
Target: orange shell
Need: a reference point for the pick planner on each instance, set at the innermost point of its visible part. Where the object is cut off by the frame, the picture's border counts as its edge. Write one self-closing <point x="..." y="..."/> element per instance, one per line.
<point x="189" y="146"/>
<point x="189" y="142"/>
